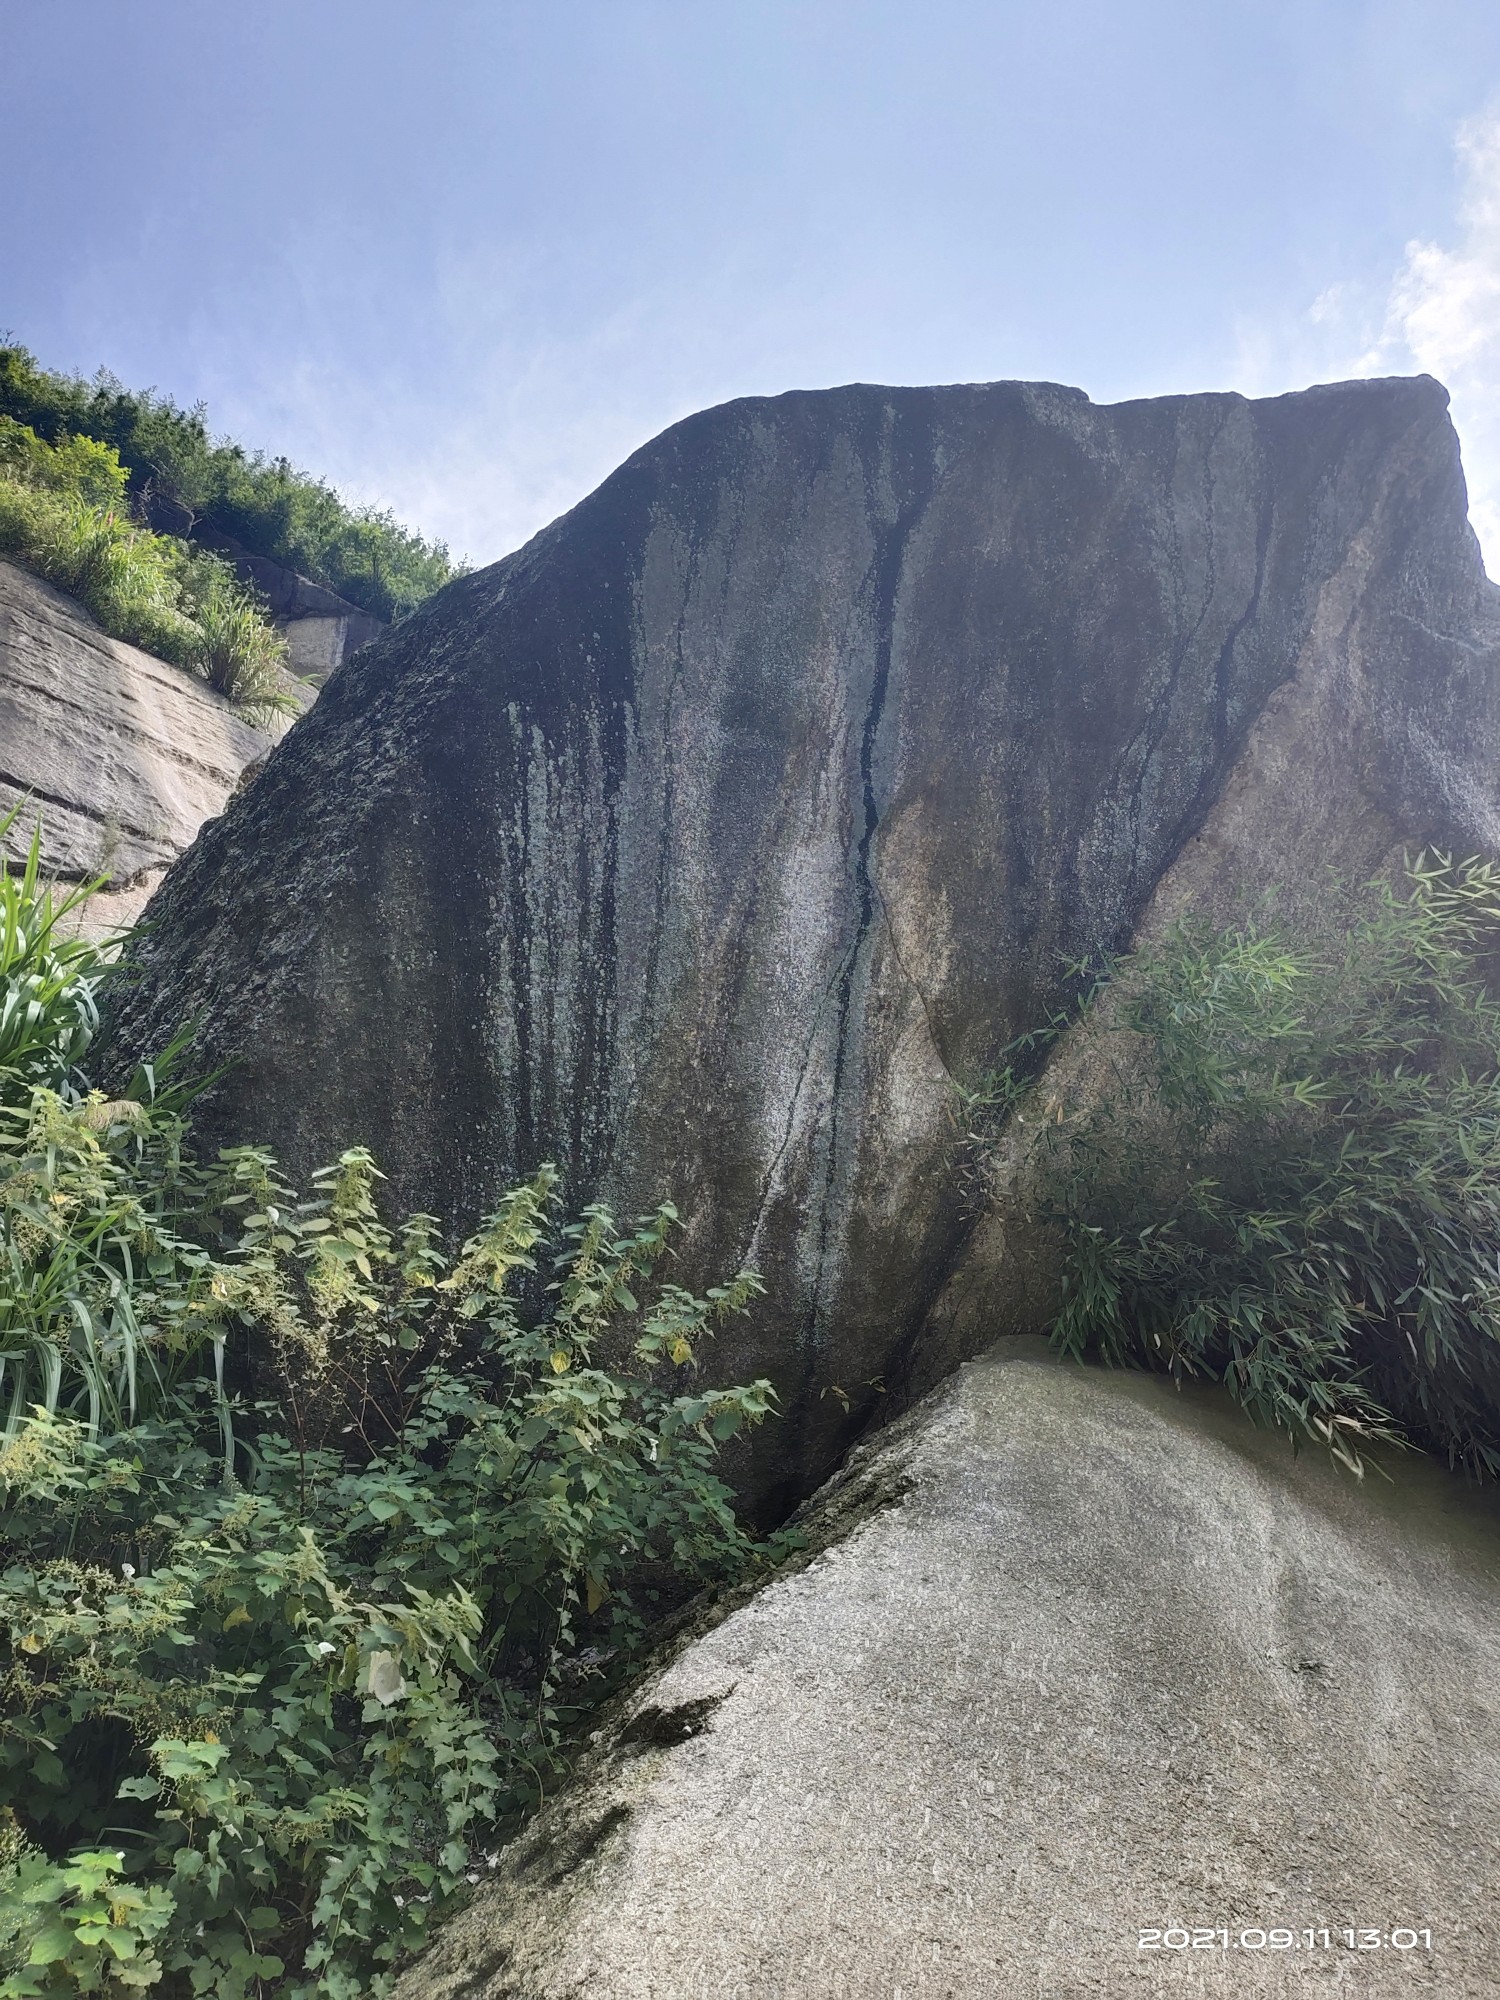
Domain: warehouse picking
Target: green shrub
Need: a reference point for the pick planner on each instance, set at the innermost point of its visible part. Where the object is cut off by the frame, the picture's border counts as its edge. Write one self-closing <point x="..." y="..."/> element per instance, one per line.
<point x="62" y="514"/>
<point x="264" y="504"/>
<point x="273" y="1672"/>
<point x="295" y="1700"/>
<point x="49" y="979"/>
<point x="79" y="466"/>
<point x="1292" y="1185"/>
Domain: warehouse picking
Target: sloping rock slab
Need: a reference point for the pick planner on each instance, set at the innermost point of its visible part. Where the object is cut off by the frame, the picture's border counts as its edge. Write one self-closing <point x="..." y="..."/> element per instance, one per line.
<point x="123" y="756"/>
<point x="1106" y="1659"/>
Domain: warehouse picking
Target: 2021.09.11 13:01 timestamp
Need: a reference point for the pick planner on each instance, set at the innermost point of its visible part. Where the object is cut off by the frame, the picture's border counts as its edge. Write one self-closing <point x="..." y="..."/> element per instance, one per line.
<point x="1177" y="1937"/>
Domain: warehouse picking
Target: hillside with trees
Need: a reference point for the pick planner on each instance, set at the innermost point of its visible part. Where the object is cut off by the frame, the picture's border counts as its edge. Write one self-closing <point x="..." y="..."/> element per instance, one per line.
<point x="183" y="480"/>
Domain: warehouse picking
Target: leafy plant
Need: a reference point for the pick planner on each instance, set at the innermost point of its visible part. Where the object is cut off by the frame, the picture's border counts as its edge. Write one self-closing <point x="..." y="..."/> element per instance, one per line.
<point x="1293" y="1183"/>
<point x="177" y="470"/>
<point x="297" y="1698"/>
<point x="49" y="977"/>
<point x="274" y="1670"/>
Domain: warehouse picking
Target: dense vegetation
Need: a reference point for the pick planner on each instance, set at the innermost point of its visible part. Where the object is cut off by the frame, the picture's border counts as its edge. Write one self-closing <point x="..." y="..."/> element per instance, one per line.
<point x="274" y="1669"/>
<point x="63" y="513"/>
<point x="1293" y="1184"/>
<point x="175" y="468"/>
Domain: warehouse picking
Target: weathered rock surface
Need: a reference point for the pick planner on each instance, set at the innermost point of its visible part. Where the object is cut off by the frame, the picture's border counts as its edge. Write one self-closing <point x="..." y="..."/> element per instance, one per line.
<point x="1106" y="1658"/>
<point x="701" y="843"/>
<point x="123" y="756"/>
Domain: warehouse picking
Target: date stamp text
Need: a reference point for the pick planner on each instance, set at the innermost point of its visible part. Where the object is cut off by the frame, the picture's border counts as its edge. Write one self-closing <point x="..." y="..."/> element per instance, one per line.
<point x="1257" y="1937"/>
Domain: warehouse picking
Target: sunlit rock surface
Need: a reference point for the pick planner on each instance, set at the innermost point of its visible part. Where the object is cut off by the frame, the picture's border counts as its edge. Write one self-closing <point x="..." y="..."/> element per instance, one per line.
<point x="1086" y="1660"/>
<point x="703" y="843"/>
<point x="121" y="756"/>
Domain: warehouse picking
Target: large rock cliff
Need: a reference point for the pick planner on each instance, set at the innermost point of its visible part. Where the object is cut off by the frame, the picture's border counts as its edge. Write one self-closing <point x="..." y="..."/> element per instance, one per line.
<point x="703" y="842"/>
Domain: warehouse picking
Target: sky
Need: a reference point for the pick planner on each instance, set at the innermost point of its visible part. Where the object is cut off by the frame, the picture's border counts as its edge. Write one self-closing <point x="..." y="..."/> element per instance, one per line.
<point x="462" y="258"/>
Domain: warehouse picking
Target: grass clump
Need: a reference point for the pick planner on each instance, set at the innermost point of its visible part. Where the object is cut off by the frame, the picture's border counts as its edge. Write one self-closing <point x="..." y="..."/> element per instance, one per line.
<point x="1291" y="1184"/>
<point x="263" y="504"/>
<point x="275" y="1669"/>
<point x="63" y="513"/>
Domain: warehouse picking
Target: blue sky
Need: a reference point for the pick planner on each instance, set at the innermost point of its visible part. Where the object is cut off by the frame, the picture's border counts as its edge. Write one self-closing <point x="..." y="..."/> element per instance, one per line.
<point x="463" y="257"/>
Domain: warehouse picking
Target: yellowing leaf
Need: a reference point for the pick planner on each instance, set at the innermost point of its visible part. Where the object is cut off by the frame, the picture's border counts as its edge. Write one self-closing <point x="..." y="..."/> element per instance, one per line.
<point x="32" y="1643"/>
<point x="681" y="1352"/>
<point x="559" y="1361"/>
<point x="597" y="1592"/>
<point x="239" y="1616"/>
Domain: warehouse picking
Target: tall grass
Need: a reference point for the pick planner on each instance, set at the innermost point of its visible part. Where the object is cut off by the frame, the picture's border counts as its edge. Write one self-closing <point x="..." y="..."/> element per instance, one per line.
<point x="48" y="979"/>
<point x="63" y="514"/>
<point x="92" y="1189"/>
<point x="1293" y="1184"/>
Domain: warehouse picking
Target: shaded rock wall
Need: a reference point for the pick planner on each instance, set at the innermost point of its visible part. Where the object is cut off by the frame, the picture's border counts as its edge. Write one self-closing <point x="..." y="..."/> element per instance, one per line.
<point x="1383" y="741"/>
<point x="1095" y="1656"/>
<point x="702" y="842"/>
<point x="123" y="756"/>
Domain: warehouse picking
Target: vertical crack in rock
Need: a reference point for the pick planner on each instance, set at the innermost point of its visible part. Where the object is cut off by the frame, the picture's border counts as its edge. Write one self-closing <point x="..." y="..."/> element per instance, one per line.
<point x="1148" y="739"/>
<point x="1265" y="518"/>
<point x="917" y="473"/>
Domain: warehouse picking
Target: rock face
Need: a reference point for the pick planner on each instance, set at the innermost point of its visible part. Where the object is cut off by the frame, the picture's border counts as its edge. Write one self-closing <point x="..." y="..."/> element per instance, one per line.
<point x="123" y="756"/>
<point x="321" y="628"/>
<point x="1094" y="1657"/>
<point x="701" y="844"/>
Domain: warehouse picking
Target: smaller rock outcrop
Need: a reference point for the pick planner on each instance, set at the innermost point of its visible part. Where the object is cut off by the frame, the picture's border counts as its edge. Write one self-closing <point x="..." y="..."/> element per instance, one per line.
<point x="1085" y="1662"/>
<point x="123" y="756"/>
<point x="321" y="629"/>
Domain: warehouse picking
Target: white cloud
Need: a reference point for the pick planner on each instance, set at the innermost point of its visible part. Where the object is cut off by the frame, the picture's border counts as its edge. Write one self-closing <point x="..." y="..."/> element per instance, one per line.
<point x="1439" y="315"/>
<point x="1444" y="315"/>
